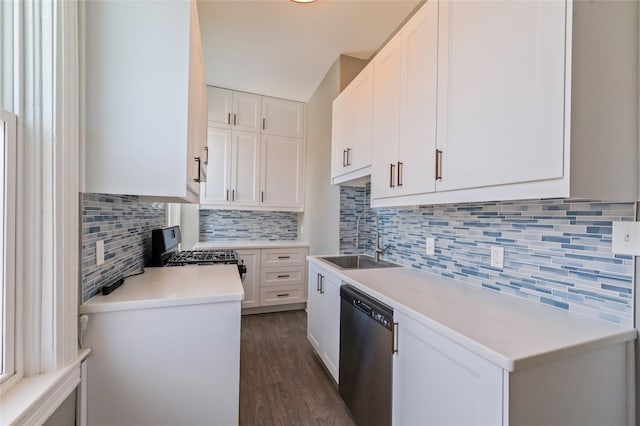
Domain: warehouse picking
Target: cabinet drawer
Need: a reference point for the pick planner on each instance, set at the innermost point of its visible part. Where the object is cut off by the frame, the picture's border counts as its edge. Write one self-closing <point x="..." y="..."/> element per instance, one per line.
<point x="282" y="295"/>
<point x="283" y="256"/>
<point x="282" y="275"/>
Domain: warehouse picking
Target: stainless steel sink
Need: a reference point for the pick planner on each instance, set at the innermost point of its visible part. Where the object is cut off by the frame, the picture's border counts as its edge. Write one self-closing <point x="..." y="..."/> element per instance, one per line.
<point x="357" y="261"/>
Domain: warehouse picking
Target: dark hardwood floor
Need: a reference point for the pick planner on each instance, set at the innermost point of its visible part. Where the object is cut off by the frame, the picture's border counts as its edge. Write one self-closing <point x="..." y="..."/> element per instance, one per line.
<point x="281" y="380"/>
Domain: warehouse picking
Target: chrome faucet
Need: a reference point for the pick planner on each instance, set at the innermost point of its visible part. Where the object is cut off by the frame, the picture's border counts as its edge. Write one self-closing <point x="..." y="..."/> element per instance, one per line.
<point x="378" y="250"/>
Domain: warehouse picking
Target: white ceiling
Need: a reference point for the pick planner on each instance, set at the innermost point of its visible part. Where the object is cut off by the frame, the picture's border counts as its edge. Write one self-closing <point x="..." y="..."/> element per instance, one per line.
<point x="284" y="49"/>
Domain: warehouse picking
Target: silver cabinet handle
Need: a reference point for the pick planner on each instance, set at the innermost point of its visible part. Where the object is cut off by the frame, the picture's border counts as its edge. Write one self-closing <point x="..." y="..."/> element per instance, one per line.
<point x="283" y="295"/>
<point x="344" y="158"/>
<point x="233" y="195"/>
<point x="394" y="338"/>
<point x="262" y="197"/>
<point x="197" y="179"/>
<point x="318" y="282"/>
<point x="284" y="276"/>
<point x="235" y="119"/>
<point x="284" y="257"/>
<point x="229" y="118"/>
<point x="391" y="173"/>
<point x="206" y="154"/>
<point x="321" y="284"/>
<point x="400" y="165"/>
<point x="348" y="156"/>
<point x="226" y="197"/>
<point x="264" y="123"/>
<point x="438" y="164"/>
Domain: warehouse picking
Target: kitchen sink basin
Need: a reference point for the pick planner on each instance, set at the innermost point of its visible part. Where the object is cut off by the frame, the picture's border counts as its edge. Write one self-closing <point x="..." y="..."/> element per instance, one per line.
<point x="357" y="261"/>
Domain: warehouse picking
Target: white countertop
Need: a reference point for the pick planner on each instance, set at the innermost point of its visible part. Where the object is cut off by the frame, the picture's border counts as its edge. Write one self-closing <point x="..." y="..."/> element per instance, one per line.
<point x="510" y="332"/>
<point x="240" y="244"/>
<point x="171" y="286"/>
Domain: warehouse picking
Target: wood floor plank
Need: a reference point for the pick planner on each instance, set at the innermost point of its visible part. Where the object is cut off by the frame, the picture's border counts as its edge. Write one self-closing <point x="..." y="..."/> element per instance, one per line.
<point x="282" y="382"/>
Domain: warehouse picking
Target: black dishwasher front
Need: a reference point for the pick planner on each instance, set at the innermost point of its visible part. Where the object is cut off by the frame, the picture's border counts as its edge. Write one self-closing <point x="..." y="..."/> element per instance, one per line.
<point x="365" y="357"/>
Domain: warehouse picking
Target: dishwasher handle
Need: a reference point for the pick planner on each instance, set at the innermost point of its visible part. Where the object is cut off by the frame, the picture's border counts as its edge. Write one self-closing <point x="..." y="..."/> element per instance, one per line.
<point x="362" y="306"/>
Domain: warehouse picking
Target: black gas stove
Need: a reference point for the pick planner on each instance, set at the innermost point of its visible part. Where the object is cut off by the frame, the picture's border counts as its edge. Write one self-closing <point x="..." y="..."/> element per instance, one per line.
<point x="164" y="252"/>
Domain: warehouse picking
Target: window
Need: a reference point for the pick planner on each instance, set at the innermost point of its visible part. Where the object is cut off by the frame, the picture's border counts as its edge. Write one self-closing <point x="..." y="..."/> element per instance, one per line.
<point x="7" y="243"/>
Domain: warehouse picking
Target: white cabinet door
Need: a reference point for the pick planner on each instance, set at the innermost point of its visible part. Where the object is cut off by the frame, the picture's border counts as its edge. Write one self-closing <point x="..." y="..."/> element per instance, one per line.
<point x="386" y="119"/>
<point x="437" y="382"/>
<point x="282" y="117"/>
<point x="251" y="282"/>
<point x="330" y="290"/>
<point x="245" y="179"/>
<point x="281" y="171"/>
<point x="314" y="308"/>
<point x="360" y="116"/>
<point x="246" y="112"/>
<point x="500" y="92"/>
<point x="339" y="134"/>
<point x="352" y="126"/>
<point x="218" y="186"/>
<point x="220" y="107"/>
<point x="418" y="94"/>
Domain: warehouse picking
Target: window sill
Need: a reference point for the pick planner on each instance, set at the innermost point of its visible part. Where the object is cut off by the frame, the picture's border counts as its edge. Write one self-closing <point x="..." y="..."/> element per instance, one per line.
<point x="34" y="399"/>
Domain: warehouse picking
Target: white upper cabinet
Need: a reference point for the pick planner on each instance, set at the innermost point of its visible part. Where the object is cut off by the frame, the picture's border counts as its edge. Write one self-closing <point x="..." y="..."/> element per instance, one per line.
<point x="246" y="112"/>
<point x="251" y="164"/>
<point x="501" y="97"/>
<point x="404" y="124"/>
<point x="216" y="189"/>
<point x="282" y="117"/>
<point x="233" y="110"/>
<point x="220" y="107"/>
<point x="144" y="99"/>
<point x="530" y="100"/>
<point x="281" y="168"/>
<point x="352" y="129"/>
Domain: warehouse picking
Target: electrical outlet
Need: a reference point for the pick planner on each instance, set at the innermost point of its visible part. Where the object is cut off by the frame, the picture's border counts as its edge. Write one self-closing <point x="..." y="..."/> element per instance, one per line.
<point x="431" y="246"/>
<point x="625" y="238"/>
<point x="497" y="256"/>
<point x="99" y="252"/>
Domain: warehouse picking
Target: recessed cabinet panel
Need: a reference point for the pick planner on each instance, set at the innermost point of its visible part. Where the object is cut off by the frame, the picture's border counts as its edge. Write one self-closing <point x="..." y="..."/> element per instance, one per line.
<point x="418" y="95"/>
<point x="245" y="179"/>
<point x="217" y="189"/>
<point x="282" y="117"/>
<point x="500" y="92"/>
<point x="246" y="112"/>
<point x="220" y="107"/>
<point x="386" y="120"/>
<point x="281" y="170"/>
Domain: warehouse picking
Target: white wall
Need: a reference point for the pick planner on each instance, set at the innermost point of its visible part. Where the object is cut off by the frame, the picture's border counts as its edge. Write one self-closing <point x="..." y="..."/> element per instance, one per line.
<point x="321" y="220"/>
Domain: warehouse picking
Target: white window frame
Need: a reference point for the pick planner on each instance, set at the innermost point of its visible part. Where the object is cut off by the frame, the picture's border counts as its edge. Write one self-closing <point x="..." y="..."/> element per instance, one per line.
<point x="8" y="248"/>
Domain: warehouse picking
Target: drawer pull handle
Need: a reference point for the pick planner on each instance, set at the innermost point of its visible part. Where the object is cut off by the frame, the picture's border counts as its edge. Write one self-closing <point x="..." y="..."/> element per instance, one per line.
<point x="283" y="295"/>
<point x="283" y="276"/>
<point x="284" y="257"/>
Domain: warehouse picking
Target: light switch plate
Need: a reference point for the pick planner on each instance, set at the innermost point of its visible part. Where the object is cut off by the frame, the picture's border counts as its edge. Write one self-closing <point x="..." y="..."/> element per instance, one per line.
<point x="625" y="238"/>
<point x="99" y="252"/>
<point x="497" y="256"/>
<point x="431" y="246"/>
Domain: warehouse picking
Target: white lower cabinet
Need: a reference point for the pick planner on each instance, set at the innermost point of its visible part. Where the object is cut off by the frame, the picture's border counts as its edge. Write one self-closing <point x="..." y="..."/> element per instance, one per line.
<point x="438" y="382"/>
<point x="251" y="282"/>
<point x="323" y="317"/>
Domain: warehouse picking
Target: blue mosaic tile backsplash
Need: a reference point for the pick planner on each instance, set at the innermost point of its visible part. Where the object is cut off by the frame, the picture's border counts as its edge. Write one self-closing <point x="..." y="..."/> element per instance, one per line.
<point x="247" y="225"/>
<point x="125" y="225"/>
<point x="556" y="251"/>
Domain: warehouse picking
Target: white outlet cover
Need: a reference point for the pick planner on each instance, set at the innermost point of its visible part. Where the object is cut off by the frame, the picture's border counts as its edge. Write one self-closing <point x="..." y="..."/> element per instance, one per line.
<point x="431" y="246"/>
<point x="625" y="238"/>
<point x="497" y="256"/>
<point x="99" y="252"/>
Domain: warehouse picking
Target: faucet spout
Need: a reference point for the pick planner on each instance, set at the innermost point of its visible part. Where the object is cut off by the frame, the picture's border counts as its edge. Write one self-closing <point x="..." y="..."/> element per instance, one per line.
<point x="378" y="251"/>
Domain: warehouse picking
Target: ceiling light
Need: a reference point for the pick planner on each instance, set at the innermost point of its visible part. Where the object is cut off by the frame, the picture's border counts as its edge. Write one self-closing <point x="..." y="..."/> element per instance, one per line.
<point x="303" y="1"/>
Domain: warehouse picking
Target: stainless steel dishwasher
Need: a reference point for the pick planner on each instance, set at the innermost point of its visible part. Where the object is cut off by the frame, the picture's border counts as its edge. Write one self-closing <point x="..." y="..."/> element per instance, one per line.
<point x="366" y="351"/>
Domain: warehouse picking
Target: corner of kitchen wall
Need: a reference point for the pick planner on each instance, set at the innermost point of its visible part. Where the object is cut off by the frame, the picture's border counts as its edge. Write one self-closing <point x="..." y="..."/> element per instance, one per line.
<point x="124" y="224"/>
